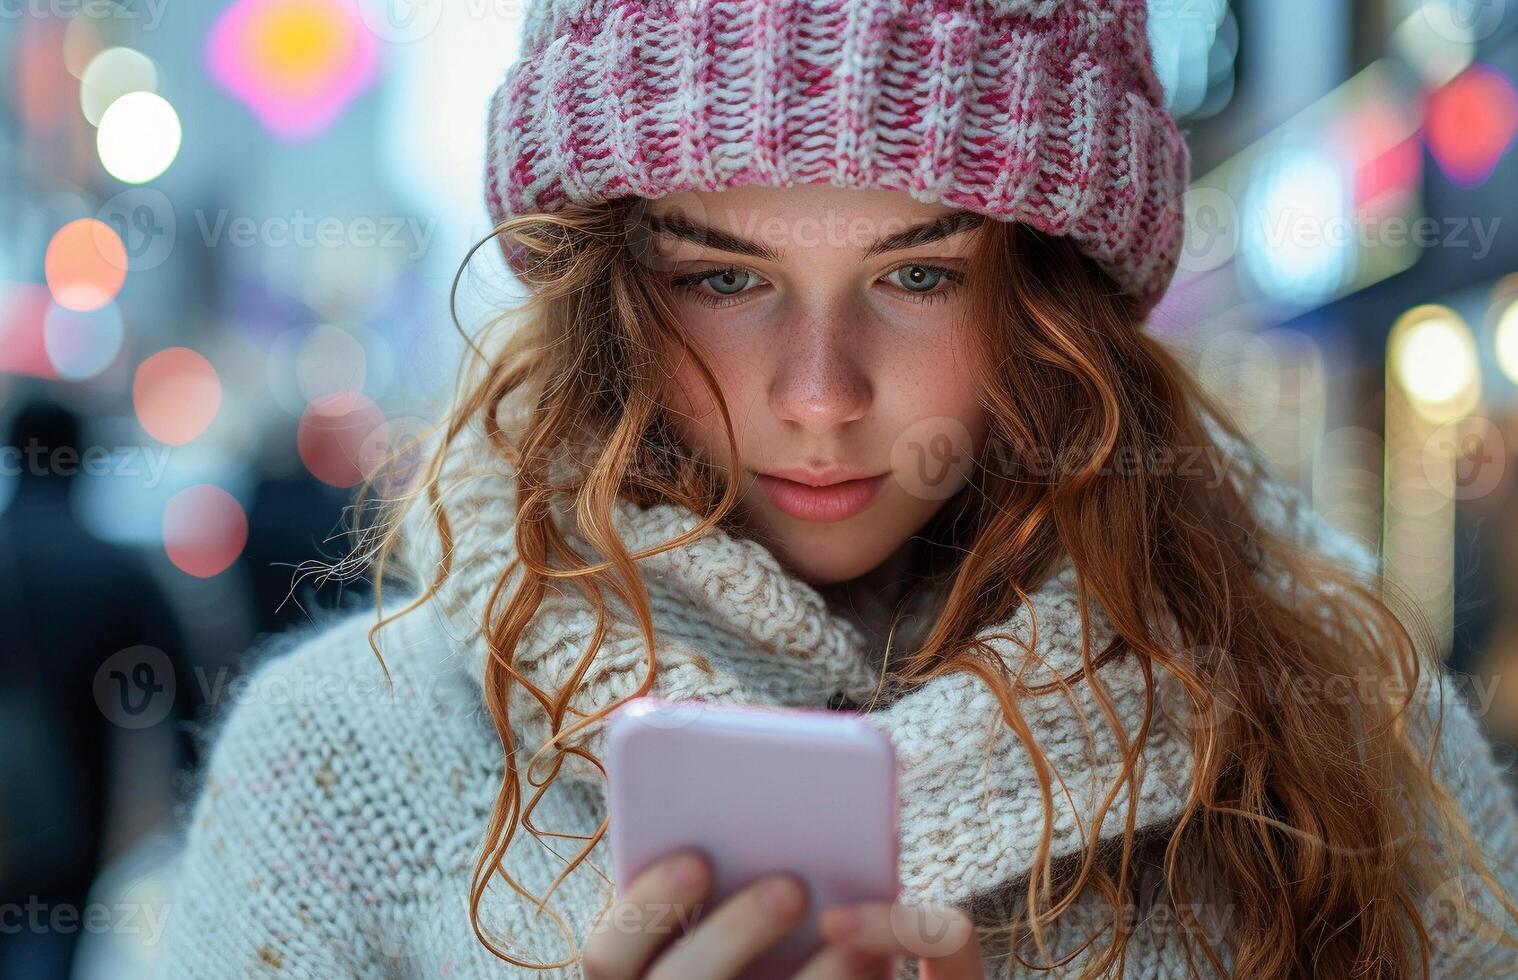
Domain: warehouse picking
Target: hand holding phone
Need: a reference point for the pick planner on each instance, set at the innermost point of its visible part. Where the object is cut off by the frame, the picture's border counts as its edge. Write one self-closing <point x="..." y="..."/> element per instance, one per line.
<point x="761" y="796"/>
<point x="756" y="791"/>
<point x="667" y="903"/>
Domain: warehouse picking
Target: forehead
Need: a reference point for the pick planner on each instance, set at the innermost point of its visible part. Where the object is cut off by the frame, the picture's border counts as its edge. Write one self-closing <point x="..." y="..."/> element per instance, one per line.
<point x="801" y="217"/>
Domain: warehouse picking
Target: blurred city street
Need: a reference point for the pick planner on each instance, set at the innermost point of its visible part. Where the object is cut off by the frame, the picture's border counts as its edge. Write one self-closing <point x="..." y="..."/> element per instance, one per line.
<point x="229" y="235"/>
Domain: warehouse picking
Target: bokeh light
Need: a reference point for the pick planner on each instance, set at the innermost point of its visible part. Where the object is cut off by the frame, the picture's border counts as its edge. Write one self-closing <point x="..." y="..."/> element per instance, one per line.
<point x="139" y="137"/>
<point x="23" y="315"/>
<point x="395" y="454"/>
<point x="1295" y="213"/>
<point x="1434" y="41"/>
<point x="37" y="81"/>
<point x="111" y="74"/>
<point x="81" y="345"/>
<point x="1432" y="354"/>
<point x="204" y="530"/>
<point x="81" y="43"/>
<point x="1507" y="341"/>
<point x="1389" y="155"/>
<point x="296" y="64"/>
<point x="329" y="360"/>
<point x="85" y="265"/>
<point x="1190" y="58"/>
<point x="307" y="362"/>
<point x="1471" y="123"/>
<point x="338" y="438"/>
<point x="176" y="394"/>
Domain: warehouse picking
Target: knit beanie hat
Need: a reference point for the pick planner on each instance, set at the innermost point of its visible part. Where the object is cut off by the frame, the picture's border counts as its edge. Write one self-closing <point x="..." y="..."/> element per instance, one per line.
<point x="1044" y="112"/>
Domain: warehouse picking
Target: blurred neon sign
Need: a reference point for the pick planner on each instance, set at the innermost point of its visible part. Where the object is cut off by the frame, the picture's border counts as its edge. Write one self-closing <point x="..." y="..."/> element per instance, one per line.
<point x="297" y="64"/>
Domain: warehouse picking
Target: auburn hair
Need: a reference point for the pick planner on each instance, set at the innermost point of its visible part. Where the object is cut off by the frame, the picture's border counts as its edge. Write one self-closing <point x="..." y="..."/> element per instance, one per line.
<point x="1321" y="817"/>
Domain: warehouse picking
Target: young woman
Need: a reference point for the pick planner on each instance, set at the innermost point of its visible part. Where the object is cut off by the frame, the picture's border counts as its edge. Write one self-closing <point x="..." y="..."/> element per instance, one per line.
<point x="834" y="390"/>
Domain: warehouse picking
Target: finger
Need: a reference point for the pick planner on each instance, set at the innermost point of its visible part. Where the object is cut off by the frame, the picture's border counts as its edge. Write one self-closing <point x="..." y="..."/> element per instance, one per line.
<point x="658" y="905"/>
<point x="733" y="934"/>
<point x="842" y="963"/>
<point x="940" y="935"/>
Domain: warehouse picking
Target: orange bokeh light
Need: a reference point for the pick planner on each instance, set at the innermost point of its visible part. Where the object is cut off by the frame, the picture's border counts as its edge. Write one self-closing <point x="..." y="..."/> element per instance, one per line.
<point x="176" y="394"/>
<point x="204" y="530"/>
<point x="86" y="265"/>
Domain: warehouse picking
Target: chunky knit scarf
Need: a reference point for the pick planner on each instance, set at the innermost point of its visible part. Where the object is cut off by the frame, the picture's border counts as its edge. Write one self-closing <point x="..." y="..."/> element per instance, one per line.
<point x="733" y="626"/>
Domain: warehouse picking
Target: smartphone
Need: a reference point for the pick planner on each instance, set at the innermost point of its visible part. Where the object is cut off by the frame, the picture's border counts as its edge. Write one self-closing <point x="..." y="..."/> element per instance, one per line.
<point x="759" y="789"/>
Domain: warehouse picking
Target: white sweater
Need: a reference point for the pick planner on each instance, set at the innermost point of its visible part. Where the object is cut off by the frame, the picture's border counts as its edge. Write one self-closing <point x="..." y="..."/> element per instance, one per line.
<point x="339" y="821"/>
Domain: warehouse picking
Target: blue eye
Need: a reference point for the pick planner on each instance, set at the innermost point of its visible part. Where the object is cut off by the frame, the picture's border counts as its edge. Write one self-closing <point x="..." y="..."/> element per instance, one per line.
<point x="725" y="285"/>
<point x="729" y="282"/>
<point x="921" y="282"/>
<point x="919" y="278"/>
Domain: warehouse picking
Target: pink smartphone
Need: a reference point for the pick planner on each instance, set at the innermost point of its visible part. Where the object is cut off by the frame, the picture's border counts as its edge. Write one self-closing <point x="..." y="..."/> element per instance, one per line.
<point x="759" y="790"/>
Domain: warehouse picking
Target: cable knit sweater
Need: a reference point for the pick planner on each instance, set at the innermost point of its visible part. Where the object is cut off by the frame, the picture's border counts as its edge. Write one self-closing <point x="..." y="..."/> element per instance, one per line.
<point x="340" y="819"/>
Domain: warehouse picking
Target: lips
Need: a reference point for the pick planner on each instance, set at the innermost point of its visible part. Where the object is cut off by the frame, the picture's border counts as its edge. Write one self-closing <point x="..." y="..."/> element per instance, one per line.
<point x="824" y="504"/>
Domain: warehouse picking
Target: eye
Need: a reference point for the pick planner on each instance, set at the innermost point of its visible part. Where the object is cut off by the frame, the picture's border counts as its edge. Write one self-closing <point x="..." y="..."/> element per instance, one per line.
<point x="922" y="281"/>
<point x="729" y="282"/>
<point x="724" y="283"/>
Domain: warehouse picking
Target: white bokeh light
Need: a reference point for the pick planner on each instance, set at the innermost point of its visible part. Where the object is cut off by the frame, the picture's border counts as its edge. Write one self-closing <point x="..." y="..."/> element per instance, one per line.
<point x="111" y="74"/>
<point x="1298" y="243"/>
<point x="1434" y="357"/>
<point x="1507" y="341"/>
<point x="139" y="137"/>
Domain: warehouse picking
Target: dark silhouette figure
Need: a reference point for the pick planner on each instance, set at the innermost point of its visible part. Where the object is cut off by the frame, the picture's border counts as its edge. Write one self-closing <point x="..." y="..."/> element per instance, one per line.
<point x="90" y="651"/>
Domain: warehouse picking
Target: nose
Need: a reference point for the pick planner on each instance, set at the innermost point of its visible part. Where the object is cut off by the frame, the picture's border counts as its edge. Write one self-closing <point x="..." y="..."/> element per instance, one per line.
<point x="820" y="381"/>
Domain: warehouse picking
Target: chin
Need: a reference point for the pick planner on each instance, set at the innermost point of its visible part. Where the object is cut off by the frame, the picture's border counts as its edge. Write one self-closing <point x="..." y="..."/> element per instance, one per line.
<point x="820" y="564"/>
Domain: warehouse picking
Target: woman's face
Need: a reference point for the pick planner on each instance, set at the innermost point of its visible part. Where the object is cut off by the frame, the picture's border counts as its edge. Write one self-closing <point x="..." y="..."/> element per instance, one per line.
<point x="831" y="318"/>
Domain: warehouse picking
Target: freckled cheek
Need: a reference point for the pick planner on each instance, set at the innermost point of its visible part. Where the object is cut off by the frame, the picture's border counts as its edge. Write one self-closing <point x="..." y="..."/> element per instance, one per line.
<point x="935" y="379"/>
<point x="690" y="397"/>
<point x="933" y="368"/>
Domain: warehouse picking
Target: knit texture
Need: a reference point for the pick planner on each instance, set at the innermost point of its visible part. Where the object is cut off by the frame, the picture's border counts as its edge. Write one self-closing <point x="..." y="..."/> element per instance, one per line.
<point x="340" y="821"/>
<point x="1044" y="112"/>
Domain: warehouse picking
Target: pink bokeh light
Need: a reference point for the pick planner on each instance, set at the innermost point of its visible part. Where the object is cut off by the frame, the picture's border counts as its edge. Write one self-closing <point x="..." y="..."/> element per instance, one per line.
<point x="296" y="64"/>
<point x="1471" y="124"/>
<point x="204" y="530"/>
<point x="342" y="437"/>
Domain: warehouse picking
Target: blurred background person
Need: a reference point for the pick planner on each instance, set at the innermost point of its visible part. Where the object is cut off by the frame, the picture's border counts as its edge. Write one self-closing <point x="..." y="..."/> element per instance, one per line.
<point x="90" y="644"/>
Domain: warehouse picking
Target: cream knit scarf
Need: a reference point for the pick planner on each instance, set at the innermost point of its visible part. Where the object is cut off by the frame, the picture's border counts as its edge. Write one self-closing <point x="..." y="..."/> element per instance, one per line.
<point x="733" y="626"/>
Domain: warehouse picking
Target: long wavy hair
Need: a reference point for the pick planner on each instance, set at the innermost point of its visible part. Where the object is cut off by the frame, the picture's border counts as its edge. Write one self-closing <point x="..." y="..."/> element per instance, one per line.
<point x="1321" y="819"/>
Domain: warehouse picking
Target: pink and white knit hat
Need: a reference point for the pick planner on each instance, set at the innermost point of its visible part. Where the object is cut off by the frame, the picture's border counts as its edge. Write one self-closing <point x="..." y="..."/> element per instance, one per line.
<point x="1045" y="112"/>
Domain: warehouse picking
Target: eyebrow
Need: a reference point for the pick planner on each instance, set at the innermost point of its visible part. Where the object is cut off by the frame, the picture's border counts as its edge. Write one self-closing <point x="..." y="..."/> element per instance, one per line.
<point x="936" y="229"/>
